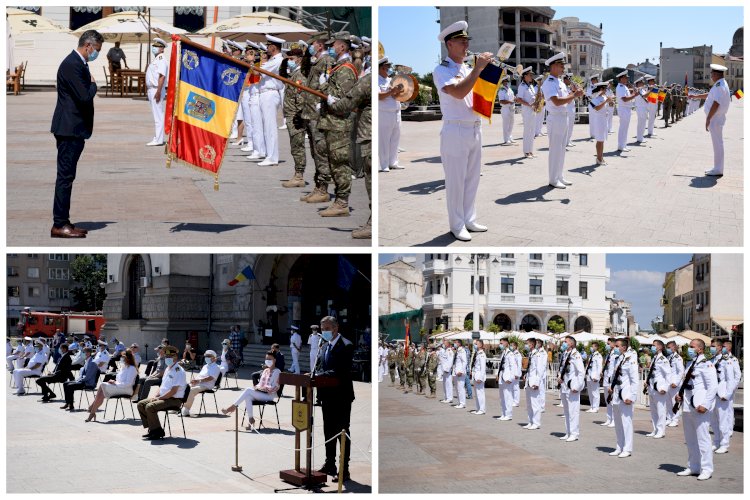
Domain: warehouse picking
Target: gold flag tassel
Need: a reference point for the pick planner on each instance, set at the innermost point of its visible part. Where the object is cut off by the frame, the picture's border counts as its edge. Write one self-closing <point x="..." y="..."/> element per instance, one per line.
<point x="216" y="182"/>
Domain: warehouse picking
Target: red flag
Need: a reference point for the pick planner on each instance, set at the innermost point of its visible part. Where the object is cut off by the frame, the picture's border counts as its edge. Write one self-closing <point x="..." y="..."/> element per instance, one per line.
<point x="171" y="84"/>
<point x="406" y="347"/>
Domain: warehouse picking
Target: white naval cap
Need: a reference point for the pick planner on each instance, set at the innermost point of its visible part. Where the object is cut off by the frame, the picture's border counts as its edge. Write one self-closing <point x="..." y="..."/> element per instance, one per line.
<point x="158" y="42"/>
<point x="383" y="60"/>
<point x="234" y="45"/>
<point x="560" y="56"/>
<point x="274" y="40"/>
<point x="624" y="73"/>
<point x="639" y="79"/>
<point x="650" y="77"/>
<point x="455" y="30"/>
<point x="718" y="67"/>
<point x="539" y="78"/>
<point x="597" y="76"/>
<point x="303" y="43"/>
<point x="602" y="84"/>
<point x="262" y="46"/>
<point x="506" y="77"/>
<point x="253" y="45"/>
<point x="526" y="70"/>
<point x="366" y="39"/>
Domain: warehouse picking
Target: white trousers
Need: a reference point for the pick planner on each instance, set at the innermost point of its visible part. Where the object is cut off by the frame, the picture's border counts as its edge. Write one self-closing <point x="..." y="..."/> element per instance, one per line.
<point x="461" y="388"/>
<point x="157" y="110"/>
<point x="534" y="406"/>
<point x="557" y="132"/>
<point x="529" y="126"/>
<point x="658" y="406"/>
<point x="698" y="440"/>
<point x="610" y="114"/>
<point x="20" y="373"/>
<point x="715" y="128"/>
<point x="572" y="409"/>
<point x="461" y="154"/>
<point x="506" y="399"/>
<point x="256" y="119"/>
<point x="571" y="122"/>
<point x="389" y="130"/>
<point x="250" y="395"/>
<point x="651" y="117"/>
<point x="9" y="360"/>
<point x="516" y="392"/>
<point x="721" y="422"/>
<point x="295" y="362"/>
<point x="539" y="117"/>
<point x="245" y="105"/>
<point x="479" y="395"/>
<point x="594" y="396"/>
<point x="448" y="386"/>
<point x="623" y="415"/>
<point x="508" y="119"/>
<point x="671" y="417"/>
<point x="269" y="110"/>
<point x="313" y="358"/>
<point x="640" y="128"/>
<point x="622" y="133"/>
<point x="591" y="125"/>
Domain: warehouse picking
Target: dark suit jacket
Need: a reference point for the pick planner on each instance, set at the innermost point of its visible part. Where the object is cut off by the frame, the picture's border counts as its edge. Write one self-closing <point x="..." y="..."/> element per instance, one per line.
<point x="338" y="365"/>
<point x="64" y="366"/>
<point x="74" y="112"/>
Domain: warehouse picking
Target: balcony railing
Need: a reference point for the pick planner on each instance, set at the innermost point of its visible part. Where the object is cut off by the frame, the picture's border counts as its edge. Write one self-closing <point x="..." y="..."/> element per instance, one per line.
<point x="555" y="302"/>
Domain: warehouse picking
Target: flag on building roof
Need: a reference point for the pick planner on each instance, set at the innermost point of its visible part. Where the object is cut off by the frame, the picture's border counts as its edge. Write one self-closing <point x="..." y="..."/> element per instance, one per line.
<point x="245" y="274"/>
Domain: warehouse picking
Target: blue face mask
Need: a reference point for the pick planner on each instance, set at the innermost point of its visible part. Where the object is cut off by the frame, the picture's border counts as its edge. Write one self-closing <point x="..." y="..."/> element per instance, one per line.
<point x="724" y="350"/>
<point x="169" y="361"/>
<point x="311" y="50"/>
<point x="332" y="52"/>
<point x="502" y="347"/>
<point x="669" y="351"/>
<point x="209" y="361"/>
<point x="155" y="51"/>
<point x="616" y="351"/>
<point x="713" y="350"/>
<point x="327" y="335"/>
<point x="691" y="353"/>
<point x="653" y="349"/>
<point x="607" y="348"/>
<point x="93" y="55"/>
<point x="292" y="65"/>
<point x="564" y="346"/>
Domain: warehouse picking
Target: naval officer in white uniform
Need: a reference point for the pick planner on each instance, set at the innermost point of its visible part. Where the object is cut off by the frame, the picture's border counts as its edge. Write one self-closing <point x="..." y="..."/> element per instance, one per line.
<point x="593" y="373"/>
<point x="533" y="384"/>
<point x="461" y="134"/>
<point x="593" y="80"/>
<point x="641" y="110"/>
<point x="624" y="105"/>
<point x="556" y="99"/>
<point x="506" y="97"/>
<point x="716" y="107"/>
<point x="676" y="369"/>
<point x="270" y="101"/>
<point x="571" y="384"/>
<point x="571" y="109"/>
<point x="526" y="95"/>
<point x="624" y="390"/>
<point x="156" y="89"/>
<point x="699" y="387"/>
<point x="652" y="107"/>
<point x="657" y="381"/>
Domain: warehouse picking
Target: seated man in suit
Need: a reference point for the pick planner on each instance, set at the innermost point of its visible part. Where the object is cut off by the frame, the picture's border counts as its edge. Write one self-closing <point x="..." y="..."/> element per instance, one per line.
<point x="62" y="373"/>
<point x="336" y="361"/>
<point x="87" y="379"/>
<point x="72" y="124"/>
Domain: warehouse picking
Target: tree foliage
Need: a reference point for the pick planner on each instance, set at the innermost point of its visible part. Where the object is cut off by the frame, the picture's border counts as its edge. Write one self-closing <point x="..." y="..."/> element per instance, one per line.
<point x="88" y="272"/>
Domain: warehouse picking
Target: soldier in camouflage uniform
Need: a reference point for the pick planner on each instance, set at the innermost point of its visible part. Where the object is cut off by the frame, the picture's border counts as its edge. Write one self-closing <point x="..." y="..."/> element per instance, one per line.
<point x="292" y="109"/>
<point x="409" y="366"/>
<point x="391" y="360"/>
<point x="675" y="103"/>
<point x="432" y="366"/>
<point x="667" y="107"/>
<point x="400" y="364"/>
<point x="420" y="366"/>
<point x="337" y="127"/>
<point x="313" y="67"/>
<point x="360" y="98"/>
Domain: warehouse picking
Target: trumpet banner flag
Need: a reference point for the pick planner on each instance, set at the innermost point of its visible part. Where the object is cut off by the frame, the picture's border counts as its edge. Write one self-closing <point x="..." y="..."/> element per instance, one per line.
<point x="206" y="92"/>
<point x="739" y="94"/>
<point x="485" y="90"/>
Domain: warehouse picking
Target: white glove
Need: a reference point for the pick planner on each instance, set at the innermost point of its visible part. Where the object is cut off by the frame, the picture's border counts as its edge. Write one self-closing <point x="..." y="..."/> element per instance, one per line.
<point x="323" y="78"/>
<point x="331" y="99"/>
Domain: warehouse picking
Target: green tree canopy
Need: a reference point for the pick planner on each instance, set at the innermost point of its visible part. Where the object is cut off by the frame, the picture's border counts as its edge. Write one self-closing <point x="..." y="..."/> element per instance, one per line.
<point x="89" y="272"/>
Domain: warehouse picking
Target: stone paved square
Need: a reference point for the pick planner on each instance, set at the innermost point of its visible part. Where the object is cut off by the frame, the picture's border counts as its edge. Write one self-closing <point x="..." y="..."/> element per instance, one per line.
<point x="654" y="195"/>
<point x="125" y="196"/>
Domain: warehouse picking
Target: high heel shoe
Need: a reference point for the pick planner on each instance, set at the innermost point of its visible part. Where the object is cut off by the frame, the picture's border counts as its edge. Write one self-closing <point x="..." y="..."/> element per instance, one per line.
<point x="92" y="416"/>
<point x="250" y="424"/>
<point x="227" y="411"/>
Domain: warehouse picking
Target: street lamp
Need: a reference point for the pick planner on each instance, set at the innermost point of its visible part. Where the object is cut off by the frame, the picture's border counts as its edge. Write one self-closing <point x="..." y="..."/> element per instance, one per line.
<point x="101" y="285"/>
<point x="475" y="258"/>
<point x="569" y="325"/>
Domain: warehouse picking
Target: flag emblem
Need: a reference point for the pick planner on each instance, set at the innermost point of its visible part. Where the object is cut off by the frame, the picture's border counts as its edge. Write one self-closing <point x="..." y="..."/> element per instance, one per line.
<point x="230" y="76"/>
<point x="190" y="59"/>
<point x="200" y="107"/>
<point x="207" y="154"/>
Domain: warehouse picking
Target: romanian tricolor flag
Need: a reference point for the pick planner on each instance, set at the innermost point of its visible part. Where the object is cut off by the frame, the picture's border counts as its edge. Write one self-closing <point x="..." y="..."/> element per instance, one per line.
<point x="206" y="92"/>
<point x="662" y="95"/>
<point x="245" y="274"/>
<point x="739" y="94"/>
<point x="653" y="96"/>
<point x="485" y="90"/>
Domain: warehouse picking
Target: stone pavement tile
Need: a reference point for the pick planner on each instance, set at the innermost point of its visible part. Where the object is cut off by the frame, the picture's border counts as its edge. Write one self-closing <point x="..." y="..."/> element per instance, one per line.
<point x="44" y="441"/>
<point x="660" y="183"/>
<point x="125" y="195"/>
<point x="428" y="447"/>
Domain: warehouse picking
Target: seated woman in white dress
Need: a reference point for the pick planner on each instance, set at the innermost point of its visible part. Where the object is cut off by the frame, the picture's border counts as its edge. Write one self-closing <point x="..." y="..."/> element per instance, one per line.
<point x="265" y="390"/>
<point x="123" y="384"/>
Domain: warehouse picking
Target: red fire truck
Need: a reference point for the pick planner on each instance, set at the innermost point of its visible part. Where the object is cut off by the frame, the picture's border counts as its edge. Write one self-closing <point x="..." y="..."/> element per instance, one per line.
<point x="45" y="324"/>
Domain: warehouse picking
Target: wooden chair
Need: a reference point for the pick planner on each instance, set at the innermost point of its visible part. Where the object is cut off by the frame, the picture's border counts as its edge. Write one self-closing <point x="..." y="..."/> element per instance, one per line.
<point x="13" y="80"/>
<point x="23" y="75"/>
<point x="107" y="85"/>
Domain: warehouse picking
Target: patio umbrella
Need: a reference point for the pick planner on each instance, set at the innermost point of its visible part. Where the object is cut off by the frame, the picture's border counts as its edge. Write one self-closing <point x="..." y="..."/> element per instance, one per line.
<point x="24" y="22"/>
<point x="680" y="340"/>
<point x="9" y="48"/>
<point x="254" y="26"/>
<point x="690" y="334"/>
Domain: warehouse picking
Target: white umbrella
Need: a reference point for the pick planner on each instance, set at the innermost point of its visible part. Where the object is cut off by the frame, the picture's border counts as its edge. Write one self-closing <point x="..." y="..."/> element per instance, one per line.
<point x="254" y="26"/>
<point x="9" y="55"/>
<point x="24" y="22"/>
<point x="680" y="340"/>
<point x="588" y="337"/>
<point x="130" y="27"/>
<point x="646" y="340"/>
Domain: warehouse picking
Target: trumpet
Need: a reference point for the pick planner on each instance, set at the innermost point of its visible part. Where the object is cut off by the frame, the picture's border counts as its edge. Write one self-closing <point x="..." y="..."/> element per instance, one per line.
<point x="497" y="62"/>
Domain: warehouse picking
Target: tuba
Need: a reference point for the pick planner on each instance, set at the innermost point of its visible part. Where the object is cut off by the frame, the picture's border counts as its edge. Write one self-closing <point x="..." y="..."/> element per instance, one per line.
<point x="538" y="103"/>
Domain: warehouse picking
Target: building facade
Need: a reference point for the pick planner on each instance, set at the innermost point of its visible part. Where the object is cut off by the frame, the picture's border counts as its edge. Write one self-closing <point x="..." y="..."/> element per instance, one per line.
<point x="528" y="28"/>
<point x="180" y="296"/>
<point x="692" y="61"/>
<point x="582" y="42"/>
<point x="40" y="281"/>
<point x="717" y="293"/>
<point x="517" y="291"/>
<point x="399" y="287"/>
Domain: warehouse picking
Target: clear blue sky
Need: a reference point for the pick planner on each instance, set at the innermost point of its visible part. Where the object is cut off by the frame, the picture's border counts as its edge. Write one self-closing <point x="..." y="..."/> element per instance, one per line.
<point x="636" y="278"/>
<point x="631" y="34"/>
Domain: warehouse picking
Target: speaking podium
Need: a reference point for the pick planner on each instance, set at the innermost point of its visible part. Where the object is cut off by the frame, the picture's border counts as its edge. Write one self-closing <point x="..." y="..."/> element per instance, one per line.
<point x="302" y="420"/>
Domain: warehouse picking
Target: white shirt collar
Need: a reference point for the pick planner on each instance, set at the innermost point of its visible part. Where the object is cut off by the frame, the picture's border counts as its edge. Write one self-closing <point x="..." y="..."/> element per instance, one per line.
<point x="82" y="58"/>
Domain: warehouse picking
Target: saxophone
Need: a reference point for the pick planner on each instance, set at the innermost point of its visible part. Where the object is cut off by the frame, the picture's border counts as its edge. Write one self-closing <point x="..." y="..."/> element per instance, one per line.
<point x="538" y="103"/>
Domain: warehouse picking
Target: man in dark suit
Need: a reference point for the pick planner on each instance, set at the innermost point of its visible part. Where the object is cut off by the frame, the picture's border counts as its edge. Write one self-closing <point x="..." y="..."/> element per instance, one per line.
<point x="335" y="361"/>
<point x="72" y="124"/>
<point x="62" y="373"/>
<point x="87" y="378"/>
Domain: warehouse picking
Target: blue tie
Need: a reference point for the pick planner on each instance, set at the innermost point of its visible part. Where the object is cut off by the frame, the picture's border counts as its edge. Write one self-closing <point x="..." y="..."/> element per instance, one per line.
<point x="328" y="351"/>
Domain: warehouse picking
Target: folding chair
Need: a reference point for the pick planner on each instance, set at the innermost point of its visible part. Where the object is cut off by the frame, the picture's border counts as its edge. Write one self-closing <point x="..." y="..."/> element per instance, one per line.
<point x="262" y="406"/>
<point x="177" y="411"/>
<point x="217" y="386"/>
<point x="118" y="400"/>
<point x="226" y="380"/>
<point x="92" y="390"/>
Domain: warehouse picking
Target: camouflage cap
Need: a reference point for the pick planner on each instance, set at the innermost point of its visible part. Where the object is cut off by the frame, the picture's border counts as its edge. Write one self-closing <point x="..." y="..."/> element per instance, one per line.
<point x="171" y="351"/>
<point x="341" y="35"/>
<point x="320" y="36"/>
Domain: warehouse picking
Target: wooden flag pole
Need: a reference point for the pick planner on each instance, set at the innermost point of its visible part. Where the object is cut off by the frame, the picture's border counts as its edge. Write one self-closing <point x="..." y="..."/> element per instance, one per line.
<point x="294" y="84"/>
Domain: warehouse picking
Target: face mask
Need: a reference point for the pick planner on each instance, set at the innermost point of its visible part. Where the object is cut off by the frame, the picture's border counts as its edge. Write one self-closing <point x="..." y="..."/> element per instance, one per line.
<point x="607" y="348"/>
<point x="669" y="351"/>
<point x="331" y="52"/>
<point x="292" y="65"/>
<point x="512" y="348"/>
<point x="269" y="363"/>
<point x="502" y="347"/>
<point x="327" y="335"/>
<point x="564" y="347"/>
<point x="93" y="55"/>
<point x="713" y="350"/>
<point x="225" y="348"/>
<point x="311" y="50"/>
<point x="653" y="349"/>
<point x="616" y="351"/>
<point x="455" y="345"/>
<point x="155" y="51"/>
<point x="209" y="361"/>
<point x="724" y="350"/>
<point x="169" y="361"/>
<point x="37" y="349"/>
<point x="691" y="353"/>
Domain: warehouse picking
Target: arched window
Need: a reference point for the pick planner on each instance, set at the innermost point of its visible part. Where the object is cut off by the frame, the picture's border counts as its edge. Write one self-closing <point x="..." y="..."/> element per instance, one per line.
<point x="529" y="323"/>
<point x="582" y="324"/>
<point x="503" y="321"/>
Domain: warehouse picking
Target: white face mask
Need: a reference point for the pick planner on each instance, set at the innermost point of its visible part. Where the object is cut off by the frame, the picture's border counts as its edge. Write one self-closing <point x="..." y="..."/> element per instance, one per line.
<point x="269" y="363"/>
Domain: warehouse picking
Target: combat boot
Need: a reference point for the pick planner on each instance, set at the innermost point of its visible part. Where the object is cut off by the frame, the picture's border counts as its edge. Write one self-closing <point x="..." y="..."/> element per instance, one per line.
<point x="294" y="182"/>
<point x="339" y="208"/>
<point x="319" y="195"/>
<point x="363" y="232"/>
